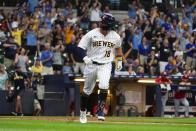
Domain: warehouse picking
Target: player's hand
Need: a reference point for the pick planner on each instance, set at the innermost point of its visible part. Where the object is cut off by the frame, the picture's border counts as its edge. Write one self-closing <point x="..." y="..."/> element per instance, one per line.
<point x="87" y="60"/>
<point x="118" y="65"/>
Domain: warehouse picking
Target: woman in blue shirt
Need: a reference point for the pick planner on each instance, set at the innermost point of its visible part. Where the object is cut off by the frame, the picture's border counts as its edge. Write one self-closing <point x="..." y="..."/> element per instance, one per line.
<point x="31" y="41"/>
<point x="191" y="53"/>
<point x="144" y="50"/>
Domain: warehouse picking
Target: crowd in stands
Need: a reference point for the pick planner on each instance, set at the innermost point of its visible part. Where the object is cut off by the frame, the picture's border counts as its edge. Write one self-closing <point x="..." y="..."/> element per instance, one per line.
<point x="42" y="38"/>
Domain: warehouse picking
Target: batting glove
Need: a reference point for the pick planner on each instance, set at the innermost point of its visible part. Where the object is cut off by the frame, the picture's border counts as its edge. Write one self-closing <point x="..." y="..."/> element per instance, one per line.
<point x="87" y="60"/>
<point x="119" y="66"/>
<point x="118" y="63"/>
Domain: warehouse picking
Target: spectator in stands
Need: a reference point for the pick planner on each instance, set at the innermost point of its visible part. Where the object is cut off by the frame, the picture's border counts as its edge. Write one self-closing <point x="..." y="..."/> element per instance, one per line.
<point x="71" y="19"/>
<point x="3" y="78"/>
<point x="180" y="96"/>
<point x="191" y="53"/>
<point x="43" y="34"/>
<point x="131" y="56"/>
<point x="95" y="12"/>
<point x="140" y="71"/>
<point x="177" y="50"/>
<point x="176" y="27"/>
<point x="144" y="50"/>
<point x="37" y="68"/>
<point x="32" y="4"/>
<point x="57" y="35"/>
<point x="22" y="60"/>
<point x="170" y="67"/>
<point x="46" y="58"/>
<point x="31" y="44"/>
<point x="16" y="32"/>
<point x="75" y="56"/>
<point x="10" y="49"/>
<point x="184" y="40"/>
<point x="84" y="20"/>
<point x="106" y="9"/>
<point x="60" y="20"/>
<point x="147" y="29"/>
<point x="152" y="63"/>
<point x="179" y="64"/>
<point x="68" y="8"/>
<point x="69" y="35"/>
<point x="47" y="20"/>
<point x="132" y="10"/>
<point x="57" y="57"/>
<point x="164" y="54"/>
<point x="137" y="38"/>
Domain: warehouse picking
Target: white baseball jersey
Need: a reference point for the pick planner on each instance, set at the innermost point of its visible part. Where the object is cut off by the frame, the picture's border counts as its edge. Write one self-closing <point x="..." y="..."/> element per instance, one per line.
<point x="100" y="48"/>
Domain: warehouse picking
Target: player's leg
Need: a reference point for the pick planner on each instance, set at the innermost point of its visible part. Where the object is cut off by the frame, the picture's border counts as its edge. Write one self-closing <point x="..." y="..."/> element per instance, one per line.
<point x="164" y="99"/>
<point x="18" y="105"/>
<point x="104" y="73"/>
<point x="176" y="107"/>
<point x="90" y="76"/>
<point x="185" y="102"/>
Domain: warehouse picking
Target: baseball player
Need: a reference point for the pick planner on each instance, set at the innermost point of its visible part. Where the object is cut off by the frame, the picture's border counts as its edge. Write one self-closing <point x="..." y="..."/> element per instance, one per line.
<point x="165" y="85"/>
<point x="180" y="96"/>
<point x="99" y="47"/>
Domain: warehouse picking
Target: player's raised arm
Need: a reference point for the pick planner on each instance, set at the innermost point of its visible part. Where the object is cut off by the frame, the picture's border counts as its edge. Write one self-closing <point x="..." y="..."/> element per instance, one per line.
<point x="119" y="55"/>
<point x="119" y="59"/>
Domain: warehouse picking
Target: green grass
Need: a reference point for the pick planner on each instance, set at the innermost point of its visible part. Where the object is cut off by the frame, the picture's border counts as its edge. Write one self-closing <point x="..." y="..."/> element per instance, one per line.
<point x="111" y="124"/>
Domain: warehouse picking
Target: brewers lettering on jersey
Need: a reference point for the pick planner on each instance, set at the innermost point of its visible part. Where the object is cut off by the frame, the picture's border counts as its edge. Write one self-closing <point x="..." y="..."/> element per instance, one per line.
<point x="98" y="49"/>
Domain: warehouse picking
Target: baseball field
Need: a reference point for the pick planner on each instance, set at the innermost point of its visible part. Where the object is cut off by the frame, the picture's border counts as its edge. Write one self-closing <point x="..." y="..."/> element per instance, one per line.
<point x="40" y="123"/>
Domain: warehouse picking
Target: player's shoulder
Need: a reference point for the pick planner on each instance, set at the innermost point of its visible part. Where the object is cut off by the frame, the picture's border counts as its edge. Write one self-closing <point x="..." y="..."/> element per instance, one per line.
<point x="115" y="34"/>
<point x="93" y="31"/>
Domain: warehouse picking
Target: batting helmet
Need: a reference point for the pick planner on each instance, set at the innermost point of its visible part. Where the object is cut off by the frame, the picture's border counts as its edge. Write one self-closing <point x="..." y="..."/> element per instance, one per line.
<point x="108" y="19"/>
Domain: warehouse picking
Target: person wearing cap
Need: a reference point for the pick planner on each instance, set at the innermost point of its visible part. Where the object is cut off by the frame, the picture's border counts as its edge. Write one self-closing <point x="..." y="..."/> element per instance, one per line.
<point x="180" y="96"/>
<point x="19" y="79"/>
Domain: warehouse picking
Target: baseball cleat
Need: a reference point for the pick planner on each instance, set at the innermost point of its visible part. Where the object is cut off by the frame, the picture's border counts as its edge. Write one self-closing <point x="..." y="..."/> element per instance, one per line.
<point x="100" y="116"/>
<point x="83" y="118"/>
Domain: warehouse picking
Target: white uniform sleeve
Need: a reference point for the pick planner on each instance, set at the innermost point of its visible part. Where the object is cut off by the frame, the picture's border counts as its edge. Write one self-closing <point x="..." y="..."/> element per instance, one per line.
<point x="85" y="41"/>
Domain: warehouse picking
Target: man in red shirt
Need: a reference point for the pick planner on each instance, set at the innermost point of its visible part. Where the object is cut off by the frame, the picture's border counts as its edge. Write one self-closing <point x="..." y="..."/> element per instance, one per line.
<point x="180" y="96"/>
<point x="164" y="83"/>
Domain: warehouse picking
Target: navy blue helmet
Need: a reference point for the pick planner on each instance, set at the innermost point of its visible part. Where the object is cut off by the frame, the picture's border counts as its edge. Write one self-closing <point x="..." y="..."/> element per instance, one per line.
<point x="108" y="19"/>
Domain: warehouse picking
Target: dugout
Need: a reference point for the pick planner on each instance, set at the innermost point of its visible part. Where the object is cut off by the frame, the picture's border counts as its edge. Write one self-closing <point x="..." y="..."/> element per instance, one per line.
<point x="138" y="94"/>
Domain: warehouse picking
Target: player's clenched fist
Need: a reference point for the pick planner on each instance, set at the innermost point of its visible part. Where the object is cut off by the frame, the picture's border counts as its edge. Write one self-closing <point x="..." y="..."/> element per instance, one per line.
<point x="87" y="60"/>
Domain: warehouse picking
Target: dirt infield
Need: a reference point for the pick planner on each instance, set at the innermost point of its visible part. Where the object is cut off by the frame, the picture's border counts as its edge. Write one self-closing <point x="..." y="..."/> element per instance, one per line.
<point x="111" y="120"/>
